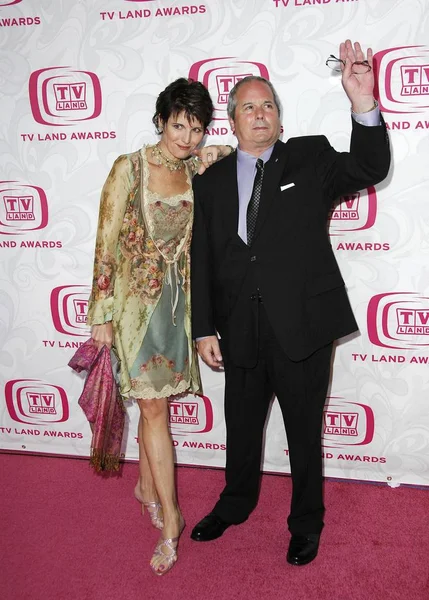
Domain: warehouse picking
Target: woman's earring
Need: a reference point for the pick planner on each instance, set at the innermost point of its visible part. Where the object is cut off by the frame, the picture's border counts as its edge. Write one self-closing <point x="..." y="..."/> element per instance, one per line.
<point x="159" y="128"/>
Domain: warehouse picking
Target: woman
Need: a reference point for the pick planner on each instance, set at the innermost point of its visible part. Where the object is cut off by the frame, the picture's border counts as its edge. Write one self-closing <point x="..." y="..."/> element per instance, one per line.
<point x="140" y="299"/>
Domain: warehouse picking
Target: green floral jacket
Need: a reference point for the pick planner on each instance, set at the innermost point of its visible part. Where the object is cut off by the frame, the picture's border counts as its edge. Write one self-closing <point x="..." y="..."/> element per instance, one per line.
<point x="130" y="266"/>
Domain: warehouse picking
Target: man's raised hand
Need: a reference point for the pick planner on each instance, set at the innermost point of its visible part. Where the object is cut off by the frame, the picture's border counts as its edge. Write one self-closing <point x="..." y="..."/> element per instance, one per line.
<point x="358" y="83"/>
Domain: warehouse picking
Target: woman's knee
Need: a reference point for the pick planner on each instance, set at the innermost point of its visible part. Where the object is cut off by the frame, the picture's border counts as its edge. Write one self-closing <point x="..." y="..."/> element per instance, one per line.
<point x="152" y="409"/>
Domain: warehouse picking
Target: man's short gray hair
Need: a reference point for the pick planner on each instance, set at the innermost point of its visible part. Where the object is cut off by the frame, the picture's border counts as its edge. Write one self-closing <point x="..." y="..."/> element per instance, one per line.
<point x="232" y="100"/>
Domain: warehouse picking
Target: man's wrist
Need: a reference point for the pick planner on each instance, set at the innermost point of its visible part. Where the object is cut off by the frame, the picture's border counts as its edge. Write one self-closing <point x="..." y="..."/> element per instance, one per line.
<point x="204" y="337"/>
<point x="369" y="118"/>
<point x="364" y="107"/>
<point x="230" y="148"/>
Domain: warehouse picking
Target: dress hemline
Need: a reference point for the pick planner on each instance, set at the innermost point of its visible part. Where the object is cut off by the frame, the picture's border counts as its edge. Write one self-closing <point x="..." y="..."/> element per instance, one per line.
<point x="167" y="391"/>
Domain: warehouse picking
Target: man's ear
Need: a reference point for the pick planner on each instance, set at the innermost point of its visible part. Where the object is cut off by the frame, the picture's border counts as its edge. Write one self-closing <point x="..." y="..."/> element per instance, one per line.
<point x="231" y="124"/>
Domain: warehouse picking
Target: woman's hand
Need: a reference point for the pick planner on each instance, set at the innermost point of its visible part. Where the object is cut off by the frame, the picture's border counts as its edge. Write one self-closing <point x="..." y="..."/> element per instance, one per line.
<point x="102" y="335"/>
<point x="211" y="154"/>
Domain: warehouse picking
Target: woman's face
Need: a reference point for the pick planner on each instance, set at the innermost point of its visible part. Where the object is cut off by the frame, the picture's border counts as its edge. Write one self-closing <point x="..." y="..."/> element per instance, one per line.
<point x="179" y="136"/>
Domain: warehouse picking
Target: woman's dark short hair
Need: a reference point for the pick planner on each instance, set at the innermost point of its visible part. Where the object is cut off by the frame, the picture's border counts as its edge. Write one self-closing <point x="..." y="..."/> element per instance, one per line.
<point x="183" y="95"/>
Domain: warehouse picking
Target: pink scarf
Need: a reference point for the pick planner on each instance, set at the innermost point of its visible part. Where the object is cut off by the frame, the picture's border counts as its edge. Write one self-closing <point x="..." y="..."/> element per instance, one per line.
<point x="102" y="404"/>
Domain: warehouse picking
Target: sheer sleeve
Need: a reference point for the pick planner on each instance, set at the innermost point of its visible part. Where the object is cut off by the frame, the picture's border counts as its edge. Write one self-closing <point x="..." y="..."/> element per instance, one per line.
<point x="113" y="203"/>
<point x="193" y="164"/>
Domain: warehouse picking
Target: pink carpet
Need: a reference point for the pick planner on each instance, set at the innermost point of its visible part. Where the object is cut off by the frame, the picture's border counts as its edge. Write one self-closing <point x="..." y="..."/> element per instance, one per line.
<point x="67" y="533"/>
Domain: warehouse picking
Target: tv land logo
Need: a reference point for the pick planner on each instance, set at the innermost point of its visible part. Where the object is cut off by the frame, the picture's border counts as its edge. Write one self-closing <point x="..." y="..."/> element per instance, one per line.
<point x="399" y="320"/>
<point x="191" y="415"/>
<point x="219" y="75"/>
<point x="23" y="208"/>
<point x="347" y="423"/>
<point x="354" y="212"/>
<point x="62" y="96"/>
<point x="36" y="402"/>
<point x="69" y="308"/>
<point x="403" y="79"/>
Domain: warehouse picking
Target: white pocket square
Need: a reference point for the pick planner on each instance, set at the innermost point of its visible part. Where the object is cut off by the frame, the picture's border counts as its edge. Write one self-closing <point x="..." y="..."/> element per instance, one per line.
<point x="286" y="187"/>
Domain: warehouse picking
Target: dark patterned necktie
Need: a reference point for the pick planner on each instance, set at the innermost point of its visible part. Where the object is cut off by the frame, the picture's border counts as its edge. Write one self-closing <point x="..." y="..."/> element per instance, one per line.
<point x="253" y="206"/>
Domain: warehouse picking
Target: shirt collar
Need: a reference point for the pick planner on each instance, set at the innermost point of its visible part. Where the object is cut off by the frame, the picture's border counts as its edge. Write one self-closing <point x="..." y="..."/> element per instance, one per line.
<point x="248" y="159"/>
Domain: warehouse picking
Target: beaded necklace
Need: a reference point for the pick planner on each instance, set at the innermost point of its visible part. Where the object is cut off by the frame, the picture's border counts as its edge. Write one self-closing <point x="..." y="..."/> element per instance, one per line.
<point x="172" y="164"/>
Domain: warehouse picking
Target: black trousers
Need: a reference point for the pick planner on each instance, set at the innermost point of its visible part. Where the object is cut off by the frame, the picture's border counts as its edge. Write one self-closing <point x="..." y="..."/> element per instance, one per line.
<point x="301" y="389"/>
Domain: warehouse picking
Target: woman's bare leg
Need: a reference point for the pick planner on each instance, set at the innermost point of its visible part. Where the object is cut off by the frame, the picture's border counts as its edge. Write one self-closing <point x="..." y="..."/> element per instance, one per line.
<point x="158" y="446"/>
<point x="145" y="490"/>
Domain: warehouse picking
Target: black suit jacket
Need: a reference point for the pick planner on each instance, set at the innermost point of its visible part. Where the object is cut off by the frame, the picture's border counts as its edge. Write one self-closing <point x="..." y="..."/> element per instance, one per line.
<point x="290" y="260"/>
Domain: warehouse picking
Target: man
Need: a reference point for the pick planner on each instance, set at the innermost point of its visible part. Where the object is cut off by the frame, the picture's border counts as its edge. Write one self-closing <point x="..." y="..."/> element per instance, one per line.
<point x="265" y="279"/>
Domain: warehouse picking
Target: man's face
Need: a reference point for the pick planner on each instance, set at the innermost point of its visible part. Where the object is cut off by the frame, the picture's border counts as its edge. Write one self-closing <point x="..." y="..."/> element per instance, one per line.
<point x="256" y="122"/>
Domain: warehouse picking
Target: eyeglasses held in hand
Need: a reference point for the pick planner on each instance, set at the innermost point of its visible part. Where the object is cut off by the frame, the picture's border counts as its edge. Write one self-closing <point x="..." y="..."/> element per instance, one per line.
<point x="359" y="67"/>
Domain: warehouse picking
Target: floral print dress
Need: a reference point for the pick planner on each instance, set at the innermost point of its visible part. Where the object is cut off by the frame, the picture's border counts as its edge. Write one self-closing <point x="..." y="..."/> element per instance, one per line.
<point x="142" y="281"/>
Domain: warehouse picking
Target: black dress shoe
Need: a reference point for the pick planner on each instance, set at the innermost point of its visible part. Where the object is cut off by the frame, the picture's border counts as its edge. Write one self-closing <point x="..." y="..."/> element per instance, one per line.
<point x="303" y="548"/>
<point x="209" y="528"/>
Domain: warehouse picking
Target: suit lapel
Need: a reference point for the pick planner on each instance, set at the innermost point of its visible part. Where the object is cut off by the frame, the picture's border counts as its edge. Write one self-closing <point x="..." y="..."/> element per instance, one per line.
<point x="230" y="193"/>
<point x="272" y="173"/>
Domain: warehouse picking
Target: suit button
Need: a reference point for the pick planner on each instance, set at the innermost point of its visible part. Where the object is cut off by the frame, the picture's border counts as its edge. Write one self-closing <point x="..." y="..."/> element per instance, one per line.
<point x="252" y="258"/>
<point x="253" y="297"/>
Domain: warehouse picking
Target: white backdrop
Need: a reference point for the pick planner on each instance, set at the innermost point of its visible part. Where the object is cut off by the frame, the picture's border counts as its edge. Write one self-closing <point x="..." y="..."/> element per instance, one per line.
<point x="79" y="81"/>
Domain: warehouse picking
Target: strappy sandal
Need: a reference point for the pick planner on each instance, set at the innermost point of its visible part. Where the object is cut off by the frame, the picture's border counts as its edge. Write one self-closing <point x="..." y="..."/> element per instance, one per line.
<point x="169" y="560"/>
<point x="153" y="510"/>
